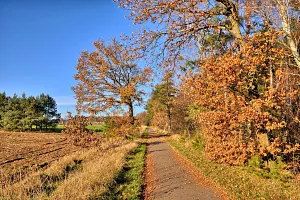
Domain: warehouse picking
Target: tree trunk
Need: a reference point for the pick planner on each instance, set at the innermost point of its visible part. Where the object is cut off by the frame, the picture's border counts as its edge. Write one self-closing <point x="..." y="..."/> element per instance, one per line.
<point x="283" y="9"/>
<point x="169" y="117"/>
<point x="130" y="106"/>
<point x="232" y="14"/>
<point x="235" y="31"/>
<point x="271" y="76"/>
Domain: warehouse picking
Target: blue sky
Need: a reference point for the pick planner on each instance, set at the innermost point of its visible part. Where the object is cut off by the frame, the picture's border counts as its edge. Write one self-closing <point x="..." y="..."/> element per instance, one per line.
<point x="41" y="40"/>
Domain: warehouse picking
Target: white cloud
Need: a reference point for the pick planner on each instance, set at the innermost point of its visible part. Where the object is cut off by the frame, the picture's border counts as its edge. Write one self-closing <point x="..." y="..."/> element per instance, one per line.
<point x="65" y="100"/>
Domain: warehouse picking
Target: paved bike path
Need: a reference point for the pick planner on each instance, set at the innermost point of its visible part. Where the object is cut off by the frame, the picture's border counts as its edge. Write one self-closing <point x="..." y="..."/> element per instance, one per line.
<point x="167" y="178"/>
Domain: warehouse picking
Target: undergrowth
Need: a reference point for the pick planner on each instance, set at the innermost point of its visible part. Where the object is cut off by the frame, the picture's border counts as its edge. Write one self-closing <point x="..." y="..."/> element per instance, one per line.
<point x="273" y="169"/>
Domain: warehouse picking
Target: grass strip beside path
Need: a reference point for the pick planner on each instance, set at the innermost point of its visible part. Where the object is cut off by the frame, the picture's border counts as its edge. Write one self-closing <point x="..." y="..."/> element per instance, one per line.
<point x="239" y="183"/>
<point x="128" y="183"/>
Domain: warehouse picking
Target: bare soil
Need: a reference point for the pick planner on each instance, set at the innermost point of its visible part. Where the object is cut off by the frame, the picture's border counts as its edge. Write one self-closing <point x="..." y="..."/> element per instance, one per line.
<point x="23" y="152"/>
<point x="168" y="176"/>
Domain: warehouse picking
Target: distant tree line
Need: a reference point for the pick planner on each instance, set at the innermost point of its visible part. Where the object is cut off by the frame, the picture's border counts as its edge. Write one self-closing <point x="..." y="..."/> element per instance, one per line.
<point x="28" y="113"/>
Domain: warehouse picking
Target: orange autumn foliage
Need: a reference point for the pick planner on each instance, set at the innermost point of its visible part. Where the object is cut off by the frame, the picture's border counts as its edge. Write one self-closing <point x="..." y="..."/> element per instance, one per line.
<point x="109" y="78"/>
<point x="76" y="128"/>
<point x="243" y="95"/>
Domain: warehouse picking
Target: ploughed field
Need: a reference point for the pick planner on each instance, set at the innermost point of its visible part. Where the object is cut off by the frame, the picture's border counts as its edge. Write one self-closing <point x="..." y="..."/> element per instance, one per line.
<point x="25" y="152"/>
<point x="49" y="166"/>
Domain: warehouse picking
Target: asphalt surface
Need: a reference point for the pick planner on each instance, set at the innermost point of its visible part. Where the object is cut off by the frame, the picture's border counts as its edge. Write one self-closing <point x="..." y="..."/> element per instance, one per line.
<point x="169" y="179"/>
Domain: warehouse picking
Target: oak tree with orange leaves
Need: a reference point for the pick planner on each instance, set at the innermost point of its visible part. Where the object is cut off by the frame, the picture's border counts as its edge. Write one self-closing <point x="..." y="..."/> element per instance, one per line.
<point x="109" y="78"/>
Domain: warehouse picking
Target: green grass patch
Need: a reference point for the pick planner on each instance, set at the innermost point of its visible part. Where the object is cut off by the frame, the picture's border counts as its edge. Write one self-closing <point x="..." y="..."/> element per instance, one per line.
<point x="96" y="128"/>
<point x="128" y="184"/>
<point x="60" y="126"/>
<point x="238" y="181"/>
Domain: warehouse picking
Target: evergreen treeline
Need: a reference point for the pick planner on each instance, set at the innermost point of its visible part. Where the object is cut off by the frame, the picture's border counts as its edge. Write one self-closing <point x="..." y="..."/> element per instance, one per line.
<point x="28" y="113"/>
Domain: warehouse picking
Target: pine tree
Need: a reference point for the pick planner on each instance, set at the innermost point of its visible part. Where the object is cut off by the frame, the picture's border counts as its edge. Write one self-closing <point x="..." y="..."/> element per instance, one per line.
<point x="30" y="112"/>
<point x="163" y="97"/>
<point x="46" y="112"/>
<point x="3" y="104"/>
<point x="13" y="115"/>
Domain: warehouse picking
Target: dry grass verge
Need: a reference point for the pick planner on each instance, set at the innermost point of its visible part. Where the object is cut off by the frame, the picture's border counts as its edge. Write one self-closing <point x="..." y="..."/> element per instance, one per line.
<point x="237" y="180"/>
<point x="96" y="174"/>
<point x="128" y="184"/>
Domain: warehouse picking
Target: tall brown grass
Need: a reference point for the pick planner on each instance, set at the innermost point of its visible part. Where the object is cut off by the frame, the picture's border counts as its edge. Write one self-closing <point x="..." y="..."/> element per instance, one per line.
<point x="95" y="176"/>
<point x="81" y="175"/>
